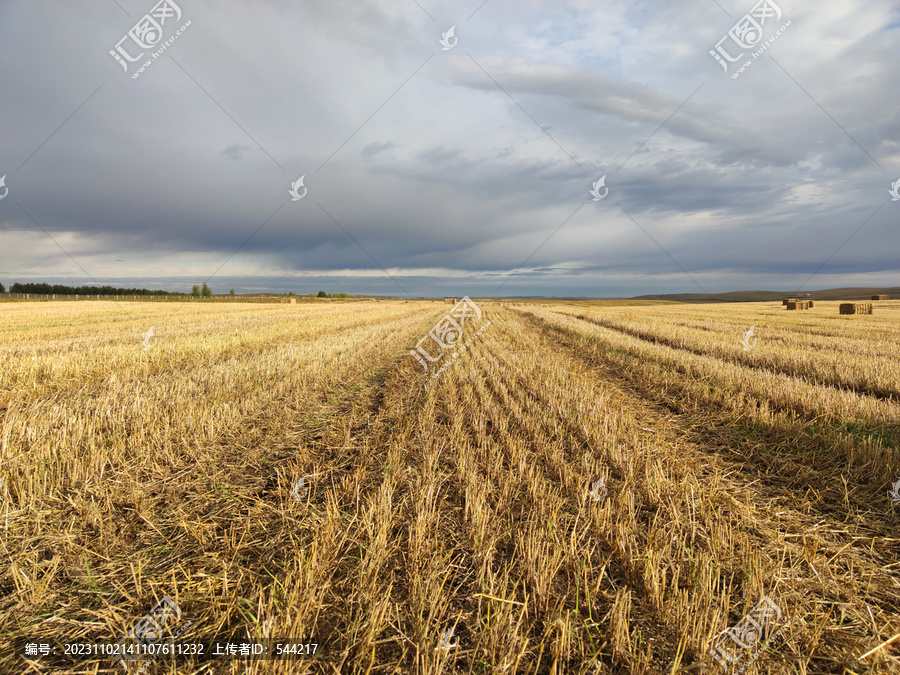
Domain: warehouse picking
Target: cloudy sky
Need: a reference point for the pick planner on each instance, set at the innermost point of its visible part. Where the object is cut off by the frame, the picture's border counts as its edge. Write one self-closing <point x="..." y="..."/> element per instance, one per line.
<point x="434" y="171"/>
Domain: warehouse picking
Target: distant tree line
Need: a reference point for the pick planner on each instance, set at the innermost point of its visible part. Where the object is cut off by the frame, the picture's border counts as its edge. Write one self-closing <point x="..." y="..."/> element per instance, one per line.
<point x="323" y="294"/>
<point x="197" y="291"/>
<point x="59" y="289"/>
<point x="204" y="292"/>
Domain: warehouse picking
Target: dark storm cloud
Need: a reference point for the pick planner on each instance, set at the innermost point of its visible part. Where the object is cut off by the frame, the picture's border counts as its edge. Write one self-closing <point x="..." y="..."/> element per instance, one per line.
<point x="449" y="167"/>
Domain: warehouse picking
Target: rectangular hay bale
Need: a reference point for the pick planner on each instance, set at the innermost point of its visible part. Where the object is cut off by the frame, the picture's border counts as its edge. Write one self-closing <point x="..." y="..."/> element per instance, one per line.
<point x="880" y="297"/>
<point x="856" y="308"/>
<point x="798" y="304"/>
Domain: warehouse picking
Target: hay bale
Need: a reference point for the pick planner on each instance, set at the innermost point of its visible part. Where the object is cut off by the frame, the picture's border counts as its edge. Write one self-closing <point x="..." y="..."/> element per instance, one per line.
<point x="787" y="300"/>
<point x="880" y="297"/>
<point x="798" y="304"/>
<point x="856" y="308"/>
<point x="812" y="303"/>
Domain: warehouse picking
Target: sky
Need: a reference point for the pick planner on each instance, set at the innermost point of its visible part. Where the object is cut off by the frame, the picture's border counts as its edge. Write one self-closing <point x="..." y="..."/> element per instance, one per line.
<point x="439" y="162"/>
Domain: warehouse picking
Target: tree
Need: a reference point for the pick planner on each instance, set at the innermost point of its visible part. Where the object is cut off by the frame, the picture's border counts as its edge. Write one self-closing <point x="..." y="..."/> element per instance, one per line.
<point x="2" y="289"/>
<point x="196" y="291"/>
<point x="206" y="292"/>
<point x="322" y="294"/>
<point x="231" y="292"/>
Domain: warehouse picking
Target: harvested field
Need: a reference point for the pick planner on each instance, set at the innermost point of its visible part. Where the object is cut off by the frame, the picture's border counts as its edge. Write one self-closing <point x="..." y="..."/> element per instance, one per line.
<point x="585" y="488"/>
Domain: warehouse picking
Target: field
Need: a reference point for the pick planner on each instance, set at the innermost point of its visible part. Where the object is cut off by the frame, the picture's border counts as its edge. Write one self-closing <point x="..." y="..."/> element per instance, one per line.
<point x="730" y="471"/>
